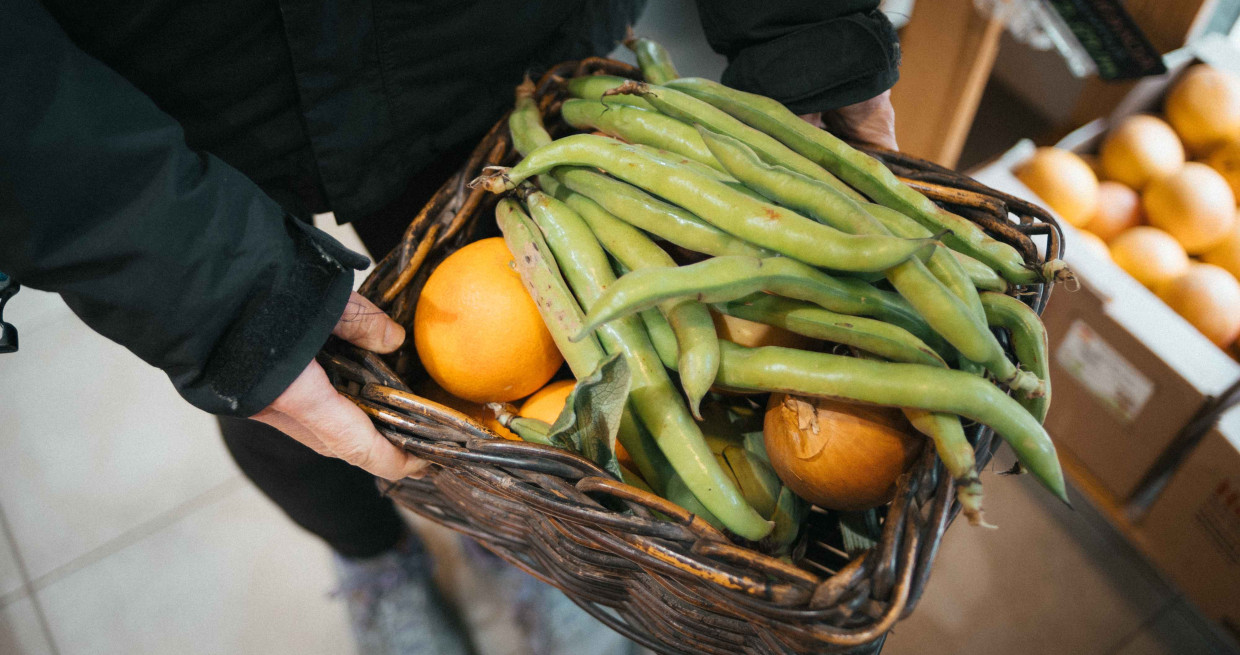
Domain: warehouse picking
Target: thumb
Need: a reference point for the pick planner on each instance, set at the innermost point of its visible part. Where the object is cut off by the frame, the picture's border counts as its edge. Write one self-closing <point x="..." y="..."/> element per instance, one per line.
<point x="366" y="326"/>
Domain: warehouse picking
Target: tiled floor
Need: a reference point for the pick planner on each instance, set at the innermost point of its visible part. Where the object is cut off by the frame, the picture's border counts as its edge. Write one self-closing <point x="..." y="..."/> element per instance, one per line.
<point x="124" y="527"/>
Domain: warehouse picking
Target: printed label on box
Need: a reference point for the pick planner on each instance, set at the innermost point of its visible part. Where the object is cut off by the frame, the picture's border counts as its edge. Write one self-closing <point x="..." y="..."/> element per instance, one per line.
<point x="1103" y="371"/>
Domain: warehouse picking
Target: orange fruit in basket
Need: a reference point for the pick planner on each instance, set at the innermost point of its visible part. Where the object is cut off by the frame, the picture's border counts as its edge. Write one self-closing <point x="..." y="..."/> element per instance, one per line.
<point x="1204" y="107"/>
<point x="478" y="332"/>
<point x="1064" y="181"/>
<point x="1140" y="149"/>
<point x="1194" y="205"/>
<point x="546" y="403"/>
<point x="1226" y="160"/>
<point x="1226" y="254"/>
<point x="1150" y="255"/>
<point x="752" y="334"/>
<point x="1209" y="298"/>
<point x="1119" y="208"/>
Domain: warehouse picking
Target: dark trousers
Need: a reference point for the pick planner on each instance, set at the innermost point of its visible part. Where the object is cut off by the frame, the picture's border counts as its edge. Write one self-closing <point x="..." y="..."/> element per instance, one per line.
<point x="326" y="496"/>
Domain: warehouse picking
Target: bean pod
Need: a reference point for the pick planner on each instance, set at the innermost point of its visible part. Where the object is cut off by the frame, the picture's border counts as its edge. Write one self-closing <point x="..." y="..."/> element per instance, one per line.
<point x="762" y="224"/>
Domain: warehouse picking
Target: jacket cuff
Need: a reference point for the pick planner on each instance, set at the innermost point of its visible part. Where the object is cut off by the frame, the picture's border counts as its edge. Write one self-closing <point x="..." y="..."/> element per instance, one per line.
<point x="824" y="66"/>
<point x="279" y="329"/>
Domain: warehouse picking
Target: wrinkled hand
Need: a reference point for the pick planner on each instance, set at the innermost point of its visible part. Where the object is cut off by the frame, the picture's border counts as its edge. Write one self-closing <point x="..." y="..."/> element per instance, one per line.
<point x="871" y="122"/>
<point x="311" y="411"/>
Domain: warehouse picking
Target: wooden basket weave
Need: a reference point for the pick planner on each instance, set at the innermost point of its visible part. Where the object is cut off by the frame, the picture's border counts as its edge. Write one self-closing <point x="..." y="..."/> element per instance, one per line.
<point x="678" y="585"/>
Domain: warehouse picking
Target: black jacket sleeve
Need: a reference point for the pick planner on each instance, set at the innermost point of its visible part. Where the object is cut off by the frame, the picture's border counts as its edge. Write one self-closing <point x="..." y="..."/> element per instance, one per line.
<point x="811" y="55"/>
<point x="168" y="251"/>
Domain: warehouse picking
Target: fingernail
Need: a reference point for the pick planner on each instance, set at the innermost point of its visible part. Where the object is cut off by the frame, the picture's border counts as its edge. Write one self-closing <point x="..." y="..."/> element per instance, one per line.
<point x="393" y="335"/>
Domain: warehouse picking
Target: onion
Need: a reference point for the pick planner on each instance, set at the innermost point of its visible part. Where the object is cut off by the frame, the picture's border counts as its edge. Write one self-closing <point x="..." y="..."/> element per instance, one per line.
<point x="838" y="455"/>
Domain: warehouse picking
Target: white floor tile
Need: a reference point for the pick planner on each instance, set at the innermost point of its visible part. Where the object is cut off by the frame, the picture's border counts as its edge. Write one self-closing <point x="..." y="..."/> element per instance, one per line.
<point x="94" y="443"/>
<point x="20" y="633"/>
<point x="1049" y="580"/>
<point x="234" y="577"/>
<point x="10" y="576"/>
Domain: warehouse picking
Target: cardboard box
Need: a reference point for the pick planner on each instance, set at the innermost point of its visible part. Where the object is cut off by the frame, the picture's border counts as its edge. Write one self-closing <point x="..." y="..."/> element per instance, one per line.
<point x="1127" y="372"/>
<point x="1192" y="532"/>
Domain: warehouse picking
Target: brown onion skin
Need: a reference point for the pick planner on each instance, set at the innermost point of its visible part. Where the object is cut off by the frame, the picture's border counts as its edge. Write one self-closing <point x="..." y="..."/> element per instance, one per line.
<point x="838" y="455"/>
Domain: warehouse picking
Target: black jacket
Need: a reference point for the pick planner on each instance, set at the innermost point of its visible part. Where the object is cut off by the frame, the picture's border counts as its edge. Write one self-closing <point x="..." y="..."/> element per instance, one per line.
<point x="155" y="154"/>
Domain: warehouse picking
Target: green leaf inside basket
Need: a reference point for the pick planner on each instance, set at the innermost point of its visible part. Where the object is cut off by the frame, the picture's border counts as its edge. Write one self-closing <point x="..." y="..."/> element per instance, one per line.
<point x="591" y="415"/>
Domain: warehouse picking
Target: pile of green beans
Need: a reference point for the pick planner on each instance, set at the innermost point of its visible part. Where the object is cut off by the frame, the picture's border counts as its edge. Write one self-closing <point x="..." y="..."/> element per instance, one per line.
<point x="702" y="199"/>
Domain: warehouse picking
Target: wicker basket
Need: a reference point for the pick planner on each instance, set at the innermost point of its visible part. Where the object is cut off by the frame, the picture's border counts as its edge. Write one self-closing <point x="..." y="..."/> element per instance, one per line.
<point x="675" y="586"/>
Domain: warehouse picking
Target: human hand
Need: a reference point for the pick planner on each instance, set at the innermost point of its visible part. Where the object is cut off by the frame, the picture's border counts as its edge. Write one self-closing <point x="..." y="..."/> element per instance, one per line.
<point x="871" y="122"/>
<point x="312" y="412"/>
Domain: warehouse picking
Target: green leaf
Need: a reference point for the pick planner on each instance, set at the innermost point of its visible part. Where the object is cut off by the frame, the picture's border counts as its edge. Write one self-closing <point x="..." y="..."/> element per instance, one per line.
<point x="591" y="415"/>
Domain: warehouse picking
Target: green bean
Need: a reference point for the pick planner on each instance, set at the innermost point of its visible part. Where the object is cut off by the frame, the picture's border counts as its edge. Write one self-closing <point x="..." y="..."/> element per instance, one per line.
<point x="882" y="339"/>
<point x="525" y="121"/>
<point x="693" y="111"/>
<point x="592" y="87"/>
<point x="984" y="277"/>
<point x="722" y="279"/>
<point x="953" y="312"/>
<point x="653" y="397"/>
<point x="529" y="429"/>
<point x="652" y="58"/>
<point x="1028" y="341"/>
<point x="763" y="224"/>
<point x="942" y="264"/>
<point x="690" y="320"/>
<point x="866" y="174"/>
<point x="559" y="310"/>
<point x="661" y="337"/>
<point x="787" y="370"/>
<point x="957" y="454"/>
<point x="649" y="128"/>
<point x="642" y="210"/>
<point x="942" y="427"/>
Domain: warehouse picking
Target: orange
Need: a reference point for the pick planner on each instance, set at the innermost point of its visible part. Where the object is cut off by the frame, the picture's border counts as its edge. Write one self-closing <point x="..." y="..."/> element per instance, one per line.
<point x="1195" y="205"/>
<point x="1204" y="107"/>
<point x="1227" y="253"/>
<point x="478" y="332"/>
<point x="1119" y="208"/>
<point x="1064" y="181"/>
<point x="1209" y="298"/>
<point x="1140" y="149"/>
<point x="1226" y="160"/>
<point x="546" y="403"/>
<point x="752" y="334"/>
